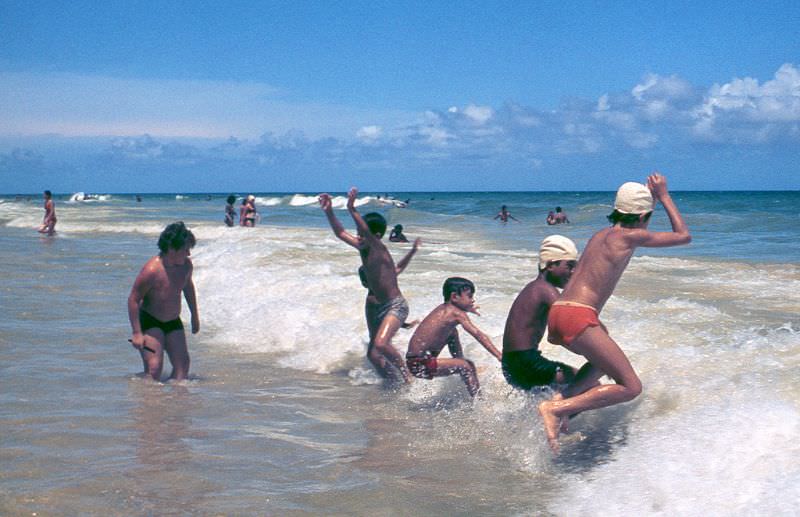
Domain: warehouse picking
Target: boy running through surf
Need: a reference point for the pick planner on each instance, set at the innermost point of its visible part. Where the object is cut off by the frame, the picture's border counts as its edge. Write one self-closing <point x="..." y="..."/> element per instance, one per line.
<point x="524" y="366"/>
<point x="439" y="328"/>
<point x="380" y="274"/>
<point x="573" y="320"/>
<point x="154" y="305"/>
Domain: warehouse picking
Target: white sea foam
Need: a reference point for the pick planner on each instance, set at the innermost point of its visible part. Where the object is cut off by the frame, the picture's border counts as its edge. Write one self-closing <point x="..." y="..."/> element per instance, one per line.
<point x="733" y="457"/>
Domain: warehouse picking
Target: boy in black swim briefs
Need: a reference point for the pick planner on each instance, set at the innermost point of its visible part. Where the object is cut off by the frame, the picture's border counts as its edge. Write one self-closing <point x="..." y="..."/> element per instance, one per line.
<point x="154" y="305"/>
<point x="523" y="364"/>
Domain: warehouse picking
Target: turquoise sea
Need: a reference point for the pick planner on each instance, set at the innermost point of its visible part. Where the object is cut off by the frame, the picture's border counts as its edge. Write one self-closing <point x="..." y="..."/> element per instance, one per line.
<point x="284" y="416"/>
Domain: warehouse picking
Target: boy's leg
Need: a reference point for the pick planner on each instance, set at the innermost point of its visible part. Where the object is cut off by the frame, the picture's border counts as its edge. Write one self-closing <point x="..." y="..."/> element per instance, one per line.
<point x="463" y="367"/>
<point x="604" y="355"/>
<point x="382" y="344"/>
<point x="153" y="361"/>
<point x="178" y="355"/>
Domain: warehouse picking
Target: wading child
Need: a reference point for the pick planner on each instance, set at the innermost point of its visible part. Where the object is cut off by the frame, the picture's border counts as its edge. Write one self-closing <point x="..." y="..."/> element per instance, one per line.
<point x="48" y="225"/>
<point x="154" y="305"/>
<point x="524" y="366"/>
<point x="573" y="320"/>
<point x="439" y="329"/>
<point x="380" y="274"/>
<point x="372" y="306"/>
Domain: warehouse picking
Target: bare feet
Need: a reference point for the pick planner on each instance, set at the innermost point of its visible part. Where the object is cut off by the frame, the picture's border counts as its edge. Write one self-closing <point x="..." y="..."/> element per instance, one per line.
<point x="552" y="424"/>
<point x="564" y="426"/>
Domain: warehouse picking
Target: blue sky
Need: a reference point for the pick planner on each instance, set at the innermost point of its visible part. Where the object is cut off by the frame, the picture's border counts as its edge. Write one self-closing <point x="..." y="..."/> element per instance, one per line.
<point x="175" y="96"/>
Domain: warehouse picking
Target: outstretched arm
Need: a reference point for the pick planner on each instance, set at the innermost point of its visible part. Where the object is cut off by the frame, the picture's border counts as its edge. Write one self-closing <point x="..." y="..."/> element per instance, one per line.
<point x="401" y="266"/>
<point x="482" y="338"/>
<point x="338" y="230"/>
<point x="363" y="229"/>
<point x="454" y="345"/>
<point x="680" y="232"/>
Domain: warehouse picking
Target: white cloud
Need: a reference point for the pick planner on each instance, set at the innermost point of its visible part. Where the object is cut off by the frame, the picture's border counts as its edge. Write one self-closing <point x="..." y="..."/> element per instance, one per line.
<point x="743" y="107"/>
<point x="479" y="114"/>
<point x="369" y="133"/>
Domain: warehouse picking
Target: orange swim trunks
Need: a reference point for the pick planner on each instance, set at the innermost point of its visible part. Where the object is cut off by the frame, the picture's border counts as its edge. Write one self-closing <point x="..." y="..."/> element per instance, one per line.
<point x="567" y="320"/>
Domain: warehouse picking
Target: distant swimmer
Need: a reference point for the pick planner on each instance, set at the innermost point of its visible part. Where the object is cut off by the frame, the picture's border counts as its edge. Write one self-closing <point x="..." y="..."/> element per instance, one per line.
<point x="439" y="328"/>
<point x="396" y="235"/>
<point x="48" y="225"/>
<point x="524" y="366"/>
<point x="504" y="215"/>
<point x="558" y="217"/>
<point x="230" y="211"/>
<point x="248" y="214"/>
<point x="573" y="320"/>
<point x="154" y="304"/>
<point x="380" y="274"/>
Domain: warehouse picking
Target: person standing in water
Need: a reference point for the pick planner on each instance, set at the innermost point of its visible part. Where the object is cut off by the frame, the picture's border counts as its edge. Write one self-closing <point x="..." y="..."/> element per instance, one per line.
<point x="504" y="215"/>
<point x="573" y="320"/>
<point x="230" y="211"/>
<point x="48" y="225"/>
<point x="380" y="274"/>
<point x="154" y="304"/>
<point x="524" y="367"/>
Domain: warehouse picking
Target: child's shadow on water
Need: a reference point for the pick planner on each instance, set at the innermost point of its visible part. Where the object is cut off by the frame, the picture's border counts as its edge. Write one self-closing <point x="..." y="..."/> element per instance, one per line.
<point x="593" y="438"/>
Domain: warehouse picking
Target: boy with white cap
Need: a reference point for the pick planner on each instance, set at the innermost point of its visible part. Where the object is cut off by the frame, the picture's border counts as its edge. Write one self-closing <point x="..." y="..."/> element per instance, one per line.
<point x="573" y="320"/>
<point x="524" y="366"/>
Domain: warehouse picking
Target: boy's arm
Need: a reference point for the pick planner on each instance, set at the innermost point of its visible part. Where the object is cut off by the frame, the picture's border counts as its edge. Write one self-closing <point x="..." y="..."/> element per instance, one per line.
<point x="338" y="230"/>
<point x="454" y="345"/>
<point x="482" y="338"/>
<point x="351" y="207"/>
<point x="191" y="300"/>
<point x="138" y="292"/>
<point x="680" y="232"/>
<point x="405" y="260"/>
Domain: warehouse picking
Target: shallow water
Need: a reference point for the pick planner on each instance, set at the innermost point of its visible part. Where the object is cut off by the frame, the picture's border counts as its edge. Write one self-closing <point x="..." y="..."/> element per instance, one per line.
<point x="283" y="415"/>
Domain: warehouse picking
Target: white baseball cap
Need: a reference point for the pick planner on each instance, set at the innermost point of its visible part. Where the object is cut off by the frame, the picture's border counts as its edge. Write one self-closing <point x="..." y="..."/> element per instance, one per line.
<point x="556" y="247"/>
<point x="634" y="198"/>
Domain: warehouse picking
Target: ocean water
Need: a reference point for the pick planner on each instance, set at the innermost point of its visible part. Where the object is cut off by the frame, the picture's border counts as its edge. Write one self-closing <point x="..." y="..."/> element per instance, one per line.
<point x="283" y="415"/>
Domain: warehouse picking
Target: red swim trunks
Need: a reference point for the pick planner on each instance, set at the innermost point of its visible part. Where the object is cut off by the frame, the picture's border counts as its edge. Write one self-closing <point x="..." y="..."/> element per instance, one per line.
<point x="567" y="320"/>
<point x="423" y="366"/>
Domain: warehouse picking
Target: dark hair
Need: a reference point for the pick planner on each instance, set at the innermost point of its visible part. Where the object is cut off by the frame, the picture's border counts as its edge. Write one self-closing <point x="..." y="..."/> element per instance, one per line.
<point x="376" y="223"/>
<point x="175" y="236"/>
<point x="558" y="209"/>
<point x="398" y="227"/>
<point x="457" y="285"/>
<point x="627" y="219"/>
<point x="48" y="193"/>
<point x="231" y="199"/>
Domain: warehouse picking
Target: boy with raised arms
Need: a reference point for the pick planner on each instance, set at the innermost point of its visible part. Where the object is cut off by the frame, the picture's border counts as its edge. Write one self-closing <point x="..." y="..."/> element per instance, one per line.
<point x="439" y="328"/>
<point x="154" y="305"/>
<point x="380" y="274"/>
<point x="573" y="320"/>
<point x="524" y="366"/>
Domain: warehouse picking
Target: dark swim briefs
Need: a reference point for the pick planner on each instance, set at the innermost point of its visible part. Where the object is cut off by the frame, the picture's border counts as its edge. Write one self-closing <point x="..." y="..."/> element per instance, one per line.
<point x="147" y="321"/>
<point x="525" y="369"/>
<point x="422" y="366"/>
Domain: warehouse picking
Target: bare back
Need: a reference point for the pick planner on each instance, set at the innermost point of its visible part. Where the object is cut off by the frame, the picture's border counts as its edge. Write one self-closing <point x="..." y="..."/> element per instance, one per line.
<point x="379" y="269"/>
<point x="527" y="318"/>
<point x="603" y="261"/>
<point x="161" y="287"/>
<point x="435" y="330"/>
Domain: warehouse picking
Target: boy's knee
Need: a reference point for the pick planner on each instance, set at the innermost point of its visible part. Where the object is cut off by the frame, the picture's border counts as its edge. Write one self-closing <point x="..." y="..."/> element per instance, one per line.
<point x="634" y="388"/>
